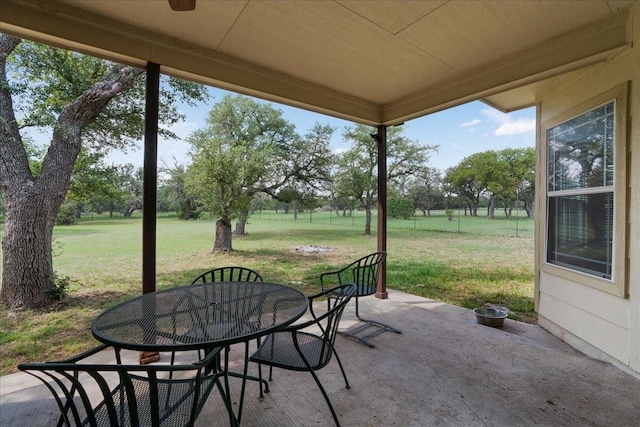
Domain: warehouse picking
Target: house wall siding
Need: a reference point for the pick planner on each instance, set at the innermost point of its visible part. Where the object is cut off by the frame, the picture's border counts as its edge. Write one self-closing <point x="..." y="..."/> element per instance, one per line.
<point x="633" y="192"/>
<point x="598" y="323"/>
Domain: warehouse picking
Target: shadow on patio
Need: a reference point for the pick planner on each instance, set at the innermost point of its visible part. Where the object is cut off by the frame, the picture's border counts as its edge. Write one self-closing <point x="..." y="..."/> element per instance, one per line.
<point x="444" y="369"/>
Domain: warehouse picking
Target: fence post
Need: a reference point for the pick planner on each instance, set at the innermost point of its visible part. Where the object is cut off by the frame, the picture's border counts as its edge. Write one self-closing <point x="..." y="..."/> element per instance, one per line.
<point x="517" y="214"/>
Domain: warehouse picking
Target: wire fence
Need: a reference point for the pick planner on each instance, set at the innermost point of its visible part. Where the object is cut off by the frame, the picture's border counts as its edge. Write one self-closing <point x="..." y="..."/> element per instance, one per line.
<point x="518" y="224"/>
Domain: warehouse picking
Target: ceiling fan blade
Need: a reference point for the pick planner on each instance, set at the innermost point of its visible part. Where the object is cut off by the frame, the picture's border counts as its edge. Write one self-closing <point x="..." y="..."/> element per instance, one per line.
<point x="182" y="5"/>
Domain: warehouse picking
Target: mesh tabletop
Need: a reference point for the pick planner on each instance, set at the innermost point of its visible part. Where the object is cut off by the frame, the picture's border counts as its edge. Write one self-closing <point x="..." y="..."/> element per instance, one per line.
<point x="199" y="316"/>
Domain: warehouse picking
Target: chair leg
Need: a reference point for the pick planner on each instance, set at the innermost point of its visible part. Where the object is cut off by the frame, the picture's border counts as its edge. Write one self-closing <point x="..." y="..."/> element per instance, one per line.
<point x="317" y="380"/>
<point x="260" y="374"/>
<point x="248" y="377"/>
<point x="244" y="381"/>
<point x="344" y="375"/>
<point x="233" y="421"/>
<point x="326" y="396"/>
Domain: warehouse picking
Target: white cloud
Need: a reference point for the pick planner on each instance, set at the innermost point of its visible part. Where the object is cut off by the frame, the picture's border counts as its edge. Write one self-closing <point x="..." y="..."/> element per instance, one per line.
<point x="522" y="125"/>
<point x="495" y="115"/>
<point x="471" y="123"/>
<point x="340" y="150"/>
<point x="507" y="126"/>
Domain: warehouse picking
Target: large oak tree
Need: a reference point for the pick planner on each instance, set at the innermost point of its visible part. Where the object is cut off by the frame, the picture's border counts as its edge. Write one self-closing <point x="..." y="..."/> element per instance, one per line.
<point x="249" y="148"/>
<point x="86" y="104"/>
<point x="501" y="175"/>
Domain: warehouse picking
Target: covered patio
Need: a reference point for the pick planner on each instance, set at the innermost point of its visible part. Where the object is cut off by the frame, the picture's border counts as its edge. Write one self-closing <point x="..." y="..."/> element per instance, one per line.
<point x="378" y="64"/>
<point x="445" y="369"/>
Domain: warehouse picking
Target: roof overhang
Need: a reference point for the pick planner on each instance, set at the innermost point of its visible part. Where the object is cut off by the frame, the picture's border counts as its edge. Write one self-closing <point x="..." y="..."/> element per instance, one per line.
<point x="426" y="79"/>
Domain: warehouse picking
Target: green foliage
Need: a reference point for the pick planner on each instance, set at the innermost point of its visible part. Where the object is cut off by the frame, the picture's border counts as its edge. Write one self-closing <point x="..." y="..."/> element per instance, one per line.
<point x="426" y="190"/>
<point x="66" y="214"/>
<point x="59" y="287"/>
<point x="356" y="177"/>
<point x="501" y="175"/>
<point x="47" y="79"/>
<point x="248" y="148"/>
<point x="35" y="155"/>
<point x="174" y="192"/>
<point x="399" y="207"/>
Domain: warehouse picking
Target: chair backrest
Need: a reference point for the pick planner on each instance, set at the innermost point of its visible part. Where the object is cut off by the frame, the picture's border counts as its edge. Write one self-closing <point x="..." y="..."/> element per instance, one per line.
<point x="363" y="273"/>
<point x="228" y="274"/>
<point x="90" y="394"/>
<point x="328" y="319"/>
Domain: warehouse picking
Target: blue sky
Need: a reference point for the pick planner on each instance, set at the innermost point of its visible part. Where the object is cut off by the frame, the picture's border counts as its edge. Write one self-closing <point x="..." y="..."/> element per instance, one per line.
<point x="459" y="131"/>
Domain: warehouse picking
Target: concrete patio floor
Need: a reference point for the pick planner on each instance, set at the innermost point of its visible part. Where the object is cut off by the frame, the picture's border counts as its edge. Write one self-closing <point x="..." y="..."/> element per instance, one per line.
<point x="444" y="369"/>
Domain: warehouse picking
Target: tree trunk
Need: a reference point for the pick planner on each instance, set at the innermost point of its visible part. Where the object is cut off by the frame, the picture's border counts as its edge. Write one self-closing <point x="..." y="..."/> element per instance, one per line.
<point x="367" y="224"/>
<point x="27" y="264"/>
<point x="241" y="222"/>
<point x="491" y="210"/>
<point x="222" y="242"/>
<point x="187" y="209"/>
<point x="31" y="203"/>
<point x="528" y="210"/>
<point x="295" y="211"/>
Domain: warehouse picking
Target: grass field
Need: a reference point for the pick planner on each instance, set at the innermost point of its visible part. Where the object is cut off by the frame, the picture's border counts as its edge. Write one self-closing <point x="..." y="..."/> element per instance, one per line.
<point x="485" y="263"/>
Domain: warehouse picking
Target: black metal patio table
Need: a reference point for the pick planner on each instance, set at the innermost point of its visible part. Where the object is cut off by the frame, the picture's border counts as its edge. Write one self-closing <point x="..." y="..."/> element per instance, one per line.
<point x="201" y="317"/>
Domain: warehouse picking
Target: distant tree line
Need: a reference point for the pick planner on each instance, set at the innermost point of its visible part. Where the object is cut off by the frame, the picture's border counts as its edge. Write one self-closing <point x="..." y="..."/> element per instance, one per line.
<point x="248" y="158"/>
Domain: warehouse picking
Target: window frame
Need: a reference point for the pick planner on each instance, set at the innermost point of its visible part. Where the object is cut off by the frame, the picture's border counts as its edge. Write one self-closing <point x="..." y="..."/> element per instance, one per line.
<point x="617" y="283"/>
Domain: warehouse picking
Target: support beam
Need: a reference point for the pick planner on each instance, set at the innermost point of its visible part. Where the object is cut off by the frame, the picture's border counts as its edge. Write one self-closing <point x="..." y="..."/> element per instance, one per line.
<point x="149" y="191"/>
<point x="381" y="137"/>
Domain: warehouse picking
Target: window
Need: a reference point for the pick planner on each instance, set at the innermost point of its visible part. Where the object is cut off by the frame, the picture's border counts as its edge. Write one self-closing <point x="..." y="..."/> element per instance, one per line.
<point x="585" y="189"/>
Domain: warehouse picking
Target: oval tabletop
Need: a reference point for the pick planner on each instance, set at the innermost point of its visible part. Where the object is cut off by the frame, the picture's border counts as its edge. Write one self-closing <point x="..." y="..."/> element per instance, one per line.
<point x="199" y="316"/>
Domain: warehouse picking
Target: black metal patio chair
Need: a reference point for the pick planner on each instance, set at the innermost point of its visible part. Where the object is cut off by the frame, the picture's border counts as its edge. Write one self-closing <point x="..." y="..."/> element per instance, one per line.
<point x="232" y="274"/>
<point x="363" y="273"/>
<point x="309" y="346"/>
<point x="228" y="274"/>
<point x="112" y="395"/>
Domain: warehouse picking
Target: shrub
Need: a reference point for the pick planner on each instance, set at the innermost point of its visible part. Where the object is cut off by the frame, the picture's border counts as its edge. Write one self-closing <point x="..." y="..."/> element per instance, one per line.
<point x="66" y="214"/>
<point x="399" y="207"/>
<point x="59" y="286"/>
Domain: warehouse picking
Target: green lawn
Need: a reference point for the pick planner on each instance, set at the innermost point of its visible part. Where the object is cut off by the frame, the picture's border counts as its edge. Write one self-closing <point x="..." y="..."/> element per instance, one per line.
<point x="483" y="263"/>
